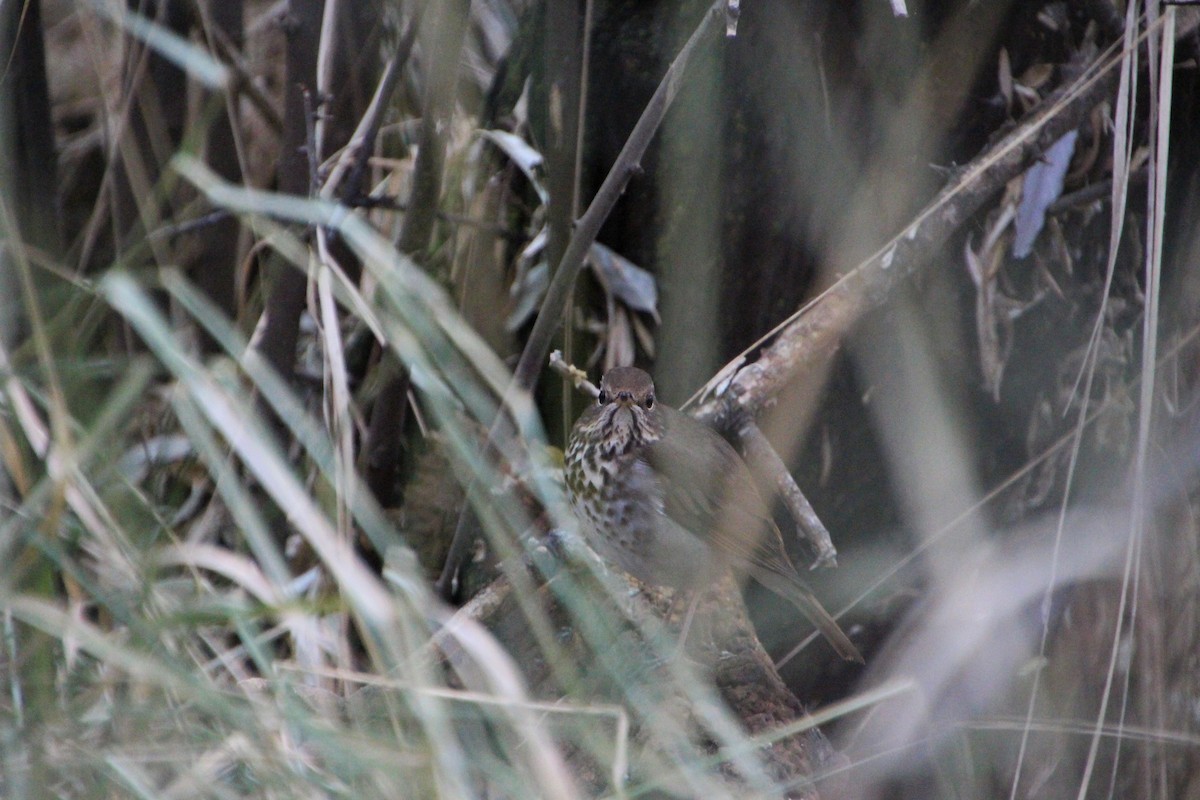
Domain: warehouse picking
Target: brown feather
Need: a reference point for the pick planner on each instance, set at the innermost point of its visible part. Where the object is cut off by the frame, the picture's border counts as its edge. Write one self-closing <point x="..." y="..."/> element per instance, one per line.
<point x="720" y="505"/>
<point x="724" y="507"/>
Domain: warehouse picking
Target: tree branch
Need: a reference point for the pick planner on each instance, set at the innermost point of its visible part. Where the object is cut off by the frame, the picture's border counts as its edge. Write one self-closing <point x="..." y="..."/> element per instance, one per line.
<point x="588" y="226"/>
<point x="810" y="337"/>
<point x="362" y="143"/>
<point x="765" y="462"/>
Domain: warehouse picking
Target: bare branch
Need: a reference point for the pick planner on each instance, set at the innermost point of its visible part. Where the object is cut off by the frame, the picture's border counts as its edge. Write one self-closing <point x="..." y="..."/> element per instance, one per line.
<point x="574" y="374"/>
<point x="811" y="336"/>
<point x="588" y="226"/>
<point x="763" y="460"/>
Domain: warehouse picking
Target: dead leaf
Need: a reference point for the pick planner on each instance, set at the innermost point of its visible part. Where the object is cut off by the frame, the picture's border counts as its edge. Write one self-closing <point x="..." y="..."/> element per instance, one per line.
<point x="1005" y="78"/>
<point x="1043" y="185"/>
<point x="521" y="153"/>
<point x="626" y="281"/>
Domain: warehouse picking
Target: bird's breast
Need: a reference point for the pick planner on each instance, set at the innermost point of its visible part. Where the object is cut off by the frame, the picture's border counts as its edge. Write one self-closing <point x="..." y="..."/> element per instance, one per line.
<point x="619" y="501"/>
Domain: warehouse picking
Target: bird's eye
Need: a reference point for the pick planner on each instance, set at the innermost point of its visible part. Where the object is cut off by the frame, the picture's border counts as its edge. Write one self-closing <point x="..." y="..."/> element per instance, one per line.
<point x="649" y="401"/>
<point x="602" y="398"/>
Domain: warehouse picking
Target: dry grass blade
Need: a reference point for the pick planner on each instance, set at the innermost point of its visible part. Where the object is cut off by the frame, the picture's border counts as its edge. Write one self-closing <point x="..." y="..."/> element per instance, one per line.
<point x="1141" y="509"/>
<point x="1122" y="156"/>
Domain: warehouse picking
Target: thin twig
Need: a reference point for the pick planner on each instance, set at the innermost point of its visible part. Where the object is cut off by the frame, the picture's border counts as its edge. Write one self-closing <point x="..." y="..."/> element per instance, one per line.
<point x="243" y="82"/>
<point x="310" y="142"/>
<point x="187" y="226"/>
<point x="574" y="374"/>
<point x="390" y="203"/>
<point x="588" y="226"/>
<point x="761" y="456"/>
<point x="1094" y="192"/>
<point x="362" y="143"/>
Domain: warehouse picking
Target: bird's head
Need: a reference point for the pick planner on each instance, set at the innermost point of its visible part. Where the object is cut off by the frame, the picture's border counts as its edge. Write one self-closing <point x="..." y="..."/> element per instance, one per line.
<point x="626" y="402"/>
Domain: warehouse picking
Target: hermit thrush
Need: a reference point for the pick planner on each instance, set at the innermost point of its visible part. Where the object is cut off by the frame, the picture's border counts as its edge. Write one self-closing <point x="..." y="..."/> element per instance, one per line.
<point x="669" y="501"/>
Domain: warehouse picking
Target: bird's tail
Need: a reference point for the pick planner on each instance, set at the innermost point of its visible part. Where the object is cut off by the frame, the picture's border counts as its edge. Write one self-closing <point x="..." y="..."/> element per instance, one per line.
<point x="803" y="598"/>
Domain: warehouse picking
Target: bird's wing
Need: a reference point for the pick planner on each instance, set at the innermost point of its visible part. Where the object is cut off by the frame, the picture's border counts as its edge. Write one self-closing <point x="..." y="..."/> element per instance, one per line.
<point x="707" y="489"/>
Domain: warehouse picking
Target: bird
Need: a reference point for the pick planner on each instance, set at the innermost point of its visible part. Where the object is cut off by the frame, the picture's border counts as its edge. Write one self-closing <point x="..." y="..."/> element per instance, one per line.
<point x="666" y="499"/>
